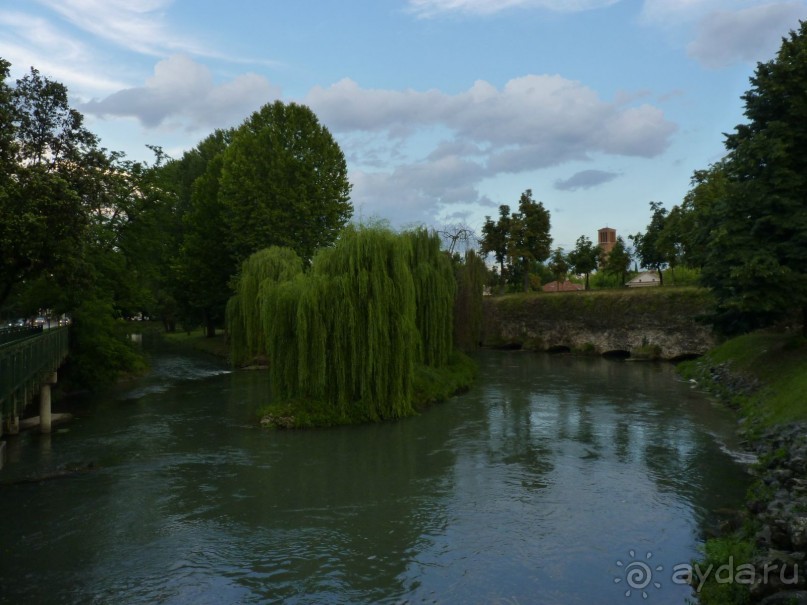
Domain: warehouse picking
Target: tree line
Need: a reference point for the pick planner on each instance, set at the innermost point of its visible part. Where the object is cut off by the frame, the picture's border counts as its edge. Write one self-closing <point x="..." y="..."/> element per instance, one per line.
<point x="521" y="246"/>
<point x="86" y="232"/>
<point x="742" y="227"/>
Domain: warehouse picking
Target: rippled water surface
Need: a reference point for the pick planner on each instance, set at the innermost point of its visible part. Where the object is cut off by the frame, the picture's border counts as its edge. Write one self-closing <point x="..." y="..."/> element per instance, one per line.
<point x="543" y="484"/>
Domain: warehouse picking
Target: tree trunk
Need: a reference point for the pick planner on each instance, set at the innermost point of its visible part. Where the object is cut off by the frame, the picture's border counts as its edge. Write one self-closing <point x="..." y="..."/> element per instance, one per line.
<point x="587" y="286"/>
<point x="804" y="321"/>
<point x="210" y="326"/>
<point x="660" y="277"/>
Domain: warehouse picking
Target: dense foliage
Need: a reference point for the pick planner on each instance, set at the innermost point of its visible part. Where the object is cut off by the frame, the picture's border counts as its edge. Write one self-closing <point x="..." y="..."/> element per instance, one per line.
<point x="584" y="258"/>
<point x="77" y="225"/>
<point x="651" y="248"/>
<point x="471" y="275"/>
<point x="520" y="239"/>
<point x="744" y="222"/>
<point x="86" y="233"/>
<point x="284" y="183"/>
<point x="348" y="332"/>
<point x="245" y="324"/>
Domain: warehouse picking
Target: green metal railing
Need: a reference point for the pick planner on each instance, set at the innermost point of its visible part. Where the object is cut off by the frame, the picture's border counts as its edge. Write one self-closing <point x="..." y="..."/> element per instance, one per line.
<point x="25" y="363"/>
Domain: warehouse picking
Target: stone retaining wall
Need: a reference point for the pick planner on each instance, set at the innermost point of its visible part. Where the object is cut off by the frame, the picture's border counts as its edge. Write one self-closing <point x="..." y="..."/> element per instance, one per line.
<point x="647" y="324"/>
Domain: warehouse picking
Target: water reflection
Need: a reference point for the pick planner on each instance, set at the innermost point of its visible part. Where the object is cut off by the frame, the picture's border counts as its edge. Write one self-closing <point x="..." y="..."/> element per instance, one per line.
<point x="527" y="489"/>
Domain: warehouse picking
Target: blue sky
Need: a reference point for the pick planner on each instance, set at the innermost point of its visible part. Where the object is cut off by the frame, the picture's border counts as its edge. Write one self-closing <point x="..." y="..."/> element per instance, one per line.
<point x="444" y="108"/>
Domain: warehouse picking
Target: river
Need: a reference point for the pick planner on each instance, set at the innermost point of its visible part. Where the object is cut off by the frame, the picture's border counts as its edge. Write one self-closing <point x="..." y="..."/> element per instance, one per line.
<point x="548" y="482"/>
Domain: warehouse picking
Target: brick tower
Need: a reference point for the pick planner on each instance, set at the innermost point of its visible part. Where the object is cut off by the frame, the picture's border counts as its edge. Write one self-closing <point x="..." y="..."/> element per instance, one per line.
<point x="606" y="238"/>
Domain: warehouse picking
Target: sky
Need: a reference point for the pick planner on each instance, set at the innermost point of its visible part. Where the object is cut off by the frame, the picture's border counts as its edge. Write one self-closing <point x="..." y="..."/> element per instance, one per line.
<point x="444" y="109"/>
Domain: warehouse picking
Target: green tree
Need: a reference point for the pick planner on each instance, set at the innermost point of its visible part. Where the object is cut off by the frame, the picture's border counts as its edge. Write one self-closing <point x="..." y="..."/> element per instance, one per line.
<point x="71" y="224"/>
<point x="205" y="263"/>
<point x="559" y="265"/>
<point x="652" y="249"/>
<point x="691" y="229"/>
<point x="618" y="260"/>
<point x="49" y="132"/>
<point x="495" y="238"/>
<point x="8" y="143"/>
<point x="584" y="258"/>
<point x="755" y="260"/>
<point x="284" y="183"/>
<point x="529" y="240"/>
<point x="44" y="223"/>
<point x="470" y="274"/>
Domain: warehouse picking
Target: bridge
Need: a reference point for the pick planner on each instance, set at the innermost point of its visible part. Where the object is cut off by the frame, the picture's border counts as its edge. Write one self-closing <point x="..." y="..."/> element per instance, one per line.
<point x="29" y="358"/>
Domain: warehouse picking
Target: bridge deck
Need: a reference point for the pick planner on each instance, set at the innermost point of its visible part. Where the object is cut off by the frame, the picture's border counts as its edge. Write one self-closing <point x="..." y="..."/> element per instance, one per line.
<point x="25" y="361"/>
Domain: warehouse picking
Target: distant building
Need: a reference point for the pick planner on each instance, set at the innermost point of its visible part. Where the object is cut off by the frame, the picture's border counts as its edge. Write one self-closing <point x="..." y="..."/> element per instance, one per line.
<point x="556" y="286"/>
<point x="606" y="238"/>
<point x="643" y="280"/>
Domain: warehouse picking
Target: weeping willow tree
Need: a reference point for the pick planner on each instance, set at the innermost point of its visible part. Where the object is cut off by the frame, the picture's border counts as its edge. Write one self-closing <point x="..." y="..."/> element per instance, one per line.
<point x="243" y="315"/>
<point x="470" y="277"/>
<point x="348" y="333"/>
<point x="434" y="297"/>
<point x="345" y="333"/>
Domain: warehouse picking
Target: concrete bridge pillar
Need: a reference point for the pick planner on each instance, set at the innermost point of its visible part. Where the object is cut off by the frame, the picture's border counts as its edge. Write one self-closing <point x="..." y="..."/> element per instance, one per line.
<point x="12" y="421"/>
<point x="45" y="417"/>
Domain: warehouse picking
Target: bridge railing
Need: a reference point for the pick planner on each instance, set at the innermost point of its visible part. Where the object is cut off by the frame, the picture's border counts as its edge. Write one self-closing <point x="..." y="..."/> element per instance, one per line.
<point x="25" y="363"/>
<point x="12" y="333"/>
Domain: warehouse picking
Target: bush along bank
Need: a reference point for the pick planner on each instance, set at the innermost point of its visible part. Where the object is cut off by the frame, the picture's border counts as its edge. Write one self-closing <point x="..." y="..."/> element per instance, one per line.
<point x="764" y="376"/>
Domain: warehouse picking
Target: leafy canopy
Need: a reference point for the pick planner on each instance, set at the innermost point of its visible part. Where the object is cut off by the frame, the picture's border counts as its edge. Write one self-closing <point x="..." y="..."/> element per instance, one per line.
<point x="284" y="183"/>
<point x="747" y="214"/>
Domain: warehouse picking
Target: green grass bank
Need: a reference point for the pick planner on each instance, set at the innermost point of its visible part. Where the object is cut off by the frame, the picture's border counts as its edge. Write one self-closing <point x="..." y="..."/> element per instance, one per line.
<point x="610" y="307"/>
<point x="654" y="323"/>
<point x="431" y="386"/>
<point x="197" y="340"/>
<point x="763" y="376"/>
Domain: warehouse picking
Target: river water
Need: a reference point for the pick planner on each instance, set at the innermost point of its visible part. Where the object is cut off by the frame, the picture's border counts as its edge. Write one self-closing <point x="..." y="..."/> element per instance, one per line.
<point x="548" y="482"/>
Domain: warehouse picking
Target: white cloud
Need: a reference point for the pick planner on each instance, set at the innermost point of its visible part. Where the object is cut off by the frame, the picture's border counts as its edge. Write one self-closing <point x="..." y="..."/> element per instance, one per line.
<point x="417" y="192"/>
<point x="675" y="10"/>
<point x="431" y="8"/>
<point x="543" y="119"/>
<point x="137" y="25"/>
<point x="32" y="41"/>
<point x="532" y="123"/>
<point x="585" y="179"/>
<point x="183" y="92"/>
<point x="723" y="32"/>
<point x="140" y="26"/>
<point x="750" y="34"/>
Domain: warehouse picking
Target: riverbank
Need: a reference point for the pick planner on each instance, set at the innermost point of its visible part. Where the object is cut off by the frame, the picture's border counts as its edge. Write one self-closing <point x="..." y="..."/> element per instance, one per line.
<point x="763" y="375"/>
<point x="648" y="323"/>
<point x="431" y="386"/>
<point x="199" y="341"/>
